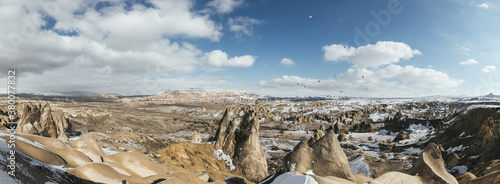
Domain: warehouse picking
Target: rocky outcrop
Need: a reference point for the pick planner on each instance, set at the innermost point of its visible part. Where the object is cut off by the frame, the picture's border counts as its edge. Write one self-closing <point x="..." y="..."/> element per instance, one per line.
<point x="430" y="166"/>
<point x="452" y="160"/>
<point x="42" y="120"/>
<point x="342" y="137"/>
<point x="249" y="157"/>
<point x="337" y="129"/>
<point x="196" y="138"/>
<point x="224" y="137"/>
<point x="362" y="127"/>
<point x="242" y="144"/>
<point x="477" y="130"/>
<point x="401" y="136"/>
<point x="316" y="136"/>
<point x="325" y="158"/>
<point x="465" y="177"/>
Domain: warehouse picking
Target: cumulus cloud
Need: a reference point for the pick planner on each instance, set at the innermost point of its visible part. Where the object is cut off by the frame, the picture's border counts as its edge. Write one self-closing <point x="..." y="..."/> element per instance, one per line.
<point x="392" y="80"/>
<point x="287" y="62"/>
<point x="468" y="62"/>
<point x="489" y="68"/>
<point x="46" y="41"/>
<point x="219" y="58"/>
<point x="243" y="25"/>
<point x="224" y="6"/>
<point x="382" y="53"/>
<point x="483" y="5"/>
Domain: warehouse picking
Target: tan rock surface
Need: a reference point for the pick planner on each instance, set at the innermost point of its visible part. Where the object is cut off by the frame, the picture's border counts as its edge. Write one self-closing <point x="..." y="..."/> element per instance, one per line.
<point x="430" y="166"/>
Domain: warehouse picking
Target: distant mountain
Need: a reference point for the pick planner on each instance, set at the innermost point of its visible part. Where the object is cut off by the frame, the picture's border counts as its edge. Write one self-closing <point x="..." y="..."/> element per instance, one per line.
<point x="492" y="96"/>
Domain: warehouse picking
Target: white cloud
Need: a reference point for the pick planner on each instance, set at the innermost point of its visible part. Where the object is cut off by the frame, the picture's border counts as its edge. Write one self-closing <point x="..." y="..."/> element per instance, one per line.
<point x="219" y="58"/>
<point x="468" y="62"/>
<point x="391" y="81"/>
<point x="224" y="6"/>
<point x="489" y="68"/>
<point x="466" y="49"/>
<point x="116" y="43"/>
<point x="483" y="5"/>
<point x="287" y="62"/>
<point x="243" y="25"/>
<point x="382" y="53"/>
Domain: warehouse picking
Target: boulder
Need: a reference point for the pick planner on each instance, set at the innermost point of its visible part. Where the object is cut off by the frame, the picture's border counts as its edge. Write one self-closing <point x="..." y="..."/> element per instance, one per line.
<point x="430" y="166"/>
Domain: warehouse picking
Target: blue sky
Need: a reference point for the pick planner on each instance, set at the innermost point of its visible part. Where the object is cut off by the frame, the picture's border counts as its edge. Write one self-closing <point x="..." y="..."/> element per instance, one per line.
<point x="410" y="48"/>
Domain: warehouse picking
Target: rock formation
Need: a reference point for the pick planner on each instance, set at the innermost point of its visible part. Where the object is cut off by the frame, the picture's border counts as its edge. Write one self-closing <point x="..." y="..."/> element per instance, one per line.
<point x="430" y="166"/>
<point x="325" y="158"/>
<point x="42" y="120"/>
<point x="242" y="143"/>
<point x="362" y="127"/>
<point x="401" y="136"/>
<point x="249" y="157"/>
<point x="224" y="137"/>
<point x="316" y="136"/>
<point x="342" y="137"/>
<point x="337" y="129"/>
<point x="196" y="138"/>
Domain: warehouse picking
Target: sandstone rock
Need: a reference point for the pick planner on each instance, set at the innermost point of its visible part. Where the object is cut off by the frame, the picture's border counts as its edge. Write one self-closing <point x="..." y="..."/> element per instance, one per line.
<point x="337" y="129"/>
<point x="430" y="166"/>
<point x="196" y="138"/>
<point x="361" y="178"/>
<point x="362" y="127"/>
<point x="465" y="177"/>
<point x="401" y="136"/>
<point x="317" y="135"/>
<point x="224" y="136"/>
<point x="249" y="158"/>
<point x="42" y="120"/>
<point x="493" y="177"/>
<point x="397" y="177"/>
<point x="453" y="160"/>
<point x="342" y="137"/>
<point x="325" y="158"/>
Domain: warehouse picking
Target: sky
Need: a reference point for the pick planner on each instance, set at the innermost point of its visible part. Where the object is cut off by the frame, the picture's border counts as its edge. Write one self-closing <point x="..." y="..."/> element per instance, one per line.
<point x="358" y="48"/>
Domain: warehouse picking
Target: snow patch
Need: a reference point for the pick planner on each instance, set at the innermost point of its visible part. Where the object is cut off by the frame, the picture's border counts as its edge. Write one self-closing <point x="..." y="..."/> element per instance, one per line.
<point x="458" y="169"/>
<point x="412" y="151"/>
<point x="358" y="166"/>
<point x="219" y="154"/>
